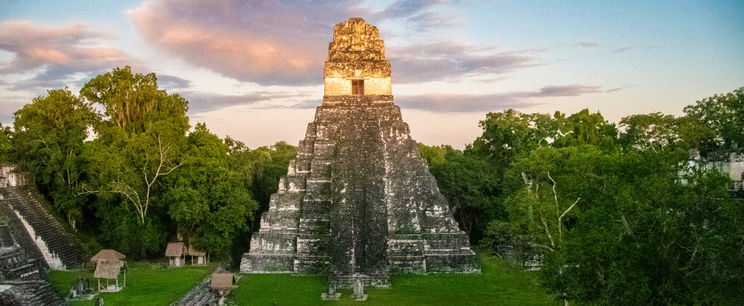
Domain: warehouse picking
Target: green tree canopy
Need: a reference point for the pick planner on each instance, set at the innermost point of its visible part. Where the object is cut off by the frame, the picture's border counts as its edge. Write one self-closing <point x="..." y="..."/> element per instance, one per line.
<point x="470" y="184"/>
<point x="5" y="144"/>
<point x="208" y="198"/>
<point x="48" y="141"/>
<point x="720" y="119"/>
<point x="142" y="140"/>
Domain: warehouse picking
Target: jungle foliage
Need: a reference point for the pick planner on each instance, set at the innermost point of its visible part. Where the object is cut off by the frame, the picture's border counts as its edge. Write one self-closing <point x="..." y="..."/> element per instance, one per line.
<point x="615" y="214"/>
<point x="120" y="162"/>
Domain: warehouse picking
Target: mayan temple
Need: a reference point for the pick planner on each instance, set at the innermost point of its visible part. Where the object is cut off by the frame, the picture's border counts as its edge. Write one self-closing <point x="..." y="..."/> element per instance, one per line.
<point x="358" y="202"/>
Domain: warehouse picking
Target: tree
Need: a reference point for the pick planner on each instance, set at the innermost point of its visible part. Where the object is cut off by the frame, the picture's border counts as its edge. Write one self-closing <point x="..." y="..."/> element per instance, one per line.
<point x="133" y="102"/>
<point x="207" y="197"/>
<point x="48" y="141"/>
<point x="5" y="144"/>
<point x="263" y="167"/>
<point x="470" y="184"/>
<point x="659" y="132"/>
<point x="720" y="121"/>
<point x="584" y="128"/>
<point x="646" y="238"/>
<point x="141" y="142"/>
<point x="511" y="133"/>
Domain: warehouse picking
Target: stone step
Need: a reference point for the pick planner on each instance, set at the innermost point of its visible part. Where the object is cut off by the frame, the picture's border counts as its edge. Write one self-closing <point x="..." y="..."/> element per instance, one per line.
<point x="33" y="208"/>
<point x="273" y="241"/>
<point x="286" y="220"/>
<point x="24" y="272"/>
<point x="285" y="201"/>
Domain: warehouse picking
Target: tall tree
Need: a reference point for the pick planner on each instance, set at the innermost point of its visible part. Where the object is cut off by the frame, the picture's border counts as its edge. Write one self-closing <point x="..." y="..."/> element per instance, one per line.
<point x="48" y="141"/>
<point x="141" y="142"/>
<point x="133" y="102"/>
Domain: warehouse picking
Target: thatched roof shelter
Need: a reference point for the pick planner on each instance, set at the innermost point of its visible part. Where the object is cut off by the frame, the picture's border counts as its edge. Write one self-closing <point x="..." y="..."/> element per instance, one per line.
<point x="108" y="255"/>
<point x="221" y="281"/>
<point x="175" y="249"/>
<point x="108" y="269"/>
<point x="195" y="252"/>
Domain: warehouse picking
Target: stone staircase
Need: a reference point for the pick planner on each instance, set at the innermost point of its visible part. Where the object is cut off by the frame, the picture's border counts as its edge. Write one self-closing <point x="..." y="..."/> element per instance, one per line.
<point x="22" y="276"/>
<point x="288" y="239"/>
<point x="199" y="295"/>
<point x="202" y="294"/>
<point x="14" y="236"/>
<point x="16" y="266"/>
<point x="358" y="202"/>
<point x="407" y="226"/>
<point x="34" y="209"/>
<point x="34" y="293"/>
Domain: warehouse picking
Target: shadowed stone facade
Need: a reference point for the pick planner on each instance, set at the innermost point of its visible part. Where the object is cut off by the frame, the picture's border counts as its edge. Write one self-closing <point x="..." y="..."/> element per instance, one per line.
<point x="358" y="201"/>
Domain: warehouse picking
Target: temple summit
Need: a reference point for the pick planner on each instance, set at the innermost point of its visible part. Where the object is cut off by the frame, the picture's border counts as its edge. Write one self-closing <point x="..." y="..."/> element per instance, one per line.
<point x="358" y="202"/>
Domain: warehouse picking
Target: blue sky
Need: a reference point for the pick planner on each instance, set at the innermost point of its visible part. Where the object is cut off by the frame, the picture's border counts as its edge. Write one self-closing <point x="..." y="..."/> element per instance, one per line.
<point x="453" y="61"/>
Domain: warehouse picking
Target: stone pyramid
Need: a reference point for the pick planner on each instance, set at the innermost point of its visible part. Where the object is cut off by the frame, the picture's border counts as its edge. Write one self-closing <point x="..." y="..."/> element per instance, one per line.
<point x="358" y="202"/>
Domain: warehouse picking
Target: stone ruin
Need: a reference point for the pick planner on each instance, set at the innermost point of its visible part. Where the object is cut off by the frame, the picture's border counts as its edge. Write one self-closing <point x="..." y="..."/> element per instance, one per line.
<point x="32" y="242"/>
<point x="358" y="202"/>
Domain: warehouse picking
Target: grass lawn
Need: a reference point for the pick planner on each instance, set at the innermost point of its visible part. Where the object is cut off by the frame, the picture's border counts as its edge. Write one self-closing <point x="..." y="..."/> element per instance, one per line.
<point x="147" y="283"/>
<point x="499" y="284"/>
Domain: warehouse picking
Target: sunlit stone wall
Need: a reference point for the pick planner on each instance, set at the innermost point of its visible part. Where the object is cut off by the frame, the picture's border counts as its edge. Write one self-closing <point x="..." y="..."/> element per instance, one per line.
<point x="372" y="86"/>
<point x="357" y="53"/>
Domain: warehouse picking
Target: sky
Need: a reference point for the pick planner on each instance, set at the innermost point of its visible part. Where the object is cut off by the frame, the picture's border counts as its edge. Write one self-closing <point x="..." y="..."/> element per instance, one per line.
<point x="253" y="69"/>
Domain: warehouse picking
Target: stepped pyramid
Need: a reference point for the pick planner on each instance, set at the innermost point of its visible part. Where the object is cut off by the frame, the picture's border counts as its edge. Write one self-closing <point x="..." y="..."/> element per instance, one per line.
<point x="358" y="202"/>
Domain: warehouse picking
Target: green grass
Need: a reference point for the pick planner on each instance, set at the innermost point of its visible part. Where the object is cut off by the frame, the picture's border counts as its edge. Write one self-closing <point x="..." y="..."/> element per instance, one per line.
<point x="499" y="284"/>
<point x="147" y="284"/>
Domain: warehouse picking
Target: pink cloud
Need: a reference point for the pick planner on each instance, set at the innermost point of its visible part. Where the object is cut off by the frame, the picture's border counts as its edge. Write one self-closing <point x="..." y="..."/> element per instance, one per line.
<point x="491" y="102"/>
<point x="450" y="60"/>
<point x="48" y="55"/>
<point x="260" y="41"/>
<point x="266" y="42"/>
<point x="59" y="51"/>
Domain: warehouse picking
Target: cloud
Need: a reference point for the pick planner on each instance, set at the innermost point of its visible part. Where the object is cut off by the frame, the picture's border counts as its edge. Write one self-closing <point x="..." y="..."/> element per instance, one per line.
<point x="171" y="82"/>
<point x="59" y="53"/>
<point x="564" y="91"/>
<point x="490" y="102"/>
<point x="285" y="42"/>
<point x="450" y="60"/>
<point x="9" y="106"/>
<point x="588" y="44"/>
<point x="633" y="48"/>
<point x="200" y="102"/>
<point x="405" y="8"/>
<point x="266" y="42"/>
<point x="429" y="20"/>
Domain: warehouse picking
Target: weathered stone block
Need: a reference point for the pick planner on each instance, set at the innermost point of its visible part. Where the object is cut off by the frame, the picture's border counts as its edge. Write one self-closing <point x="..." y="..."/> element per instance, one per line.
<point x="267" y="263"/>
<point x="274" y="241"/>
<point x="285" y="201"/>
